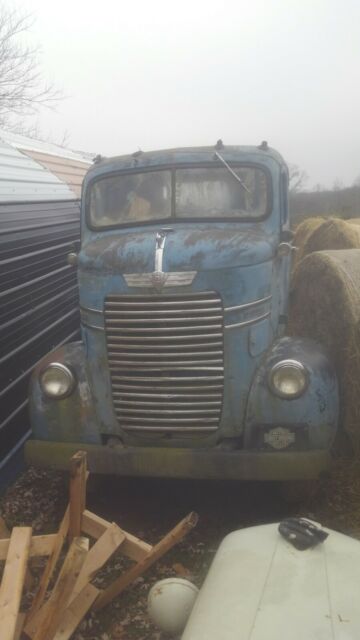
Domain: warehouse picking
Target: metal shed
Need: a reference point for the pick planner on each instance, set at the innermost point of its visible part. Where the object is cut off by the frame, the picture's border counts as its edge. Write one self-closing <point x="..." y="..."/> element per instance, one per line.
<point x="39" y="219"/>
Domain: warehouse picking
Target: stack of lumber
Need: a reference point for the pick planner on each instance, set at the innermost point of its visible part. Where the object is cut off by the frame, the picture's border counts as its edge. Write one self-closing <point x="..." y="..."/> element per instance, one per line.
<point x="56" y="612"/>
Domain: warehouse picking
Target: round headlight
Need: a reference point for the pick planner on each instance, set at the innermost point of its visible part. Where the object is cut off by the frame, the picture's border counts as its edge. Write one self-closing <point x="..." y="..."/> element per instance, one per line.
<point x="288" y="379"/>
<point x="57" y="381"/>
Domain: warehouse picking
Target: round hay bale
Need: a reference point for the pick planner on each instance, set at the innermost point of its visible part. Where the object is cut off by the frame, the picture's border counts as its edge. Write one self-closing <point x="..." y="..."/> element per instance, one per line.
<point x="325" y="306"/>
<point x="333" y="234"/>
<point x="302" y="233"/>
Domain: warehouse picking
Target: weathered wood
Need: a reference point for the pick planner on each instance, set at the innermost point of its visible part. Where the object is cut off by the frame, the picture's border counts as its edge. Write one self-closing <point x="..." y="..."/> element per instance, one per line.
<point x="39" y="546"/>
<point x="133" y="547"/>
<point x="157" y="551"/>
<point x="78" y="478"/>
<point x="13" y="581"/>
<point x="29" y="579"/>
<point x="50" y="566"/>
<point x="100" y="553"/>
<point x="45" y="623"/>
<point x="76" y="611"/>
<point x="4" y="531"/>
<point x="19" y="626"/>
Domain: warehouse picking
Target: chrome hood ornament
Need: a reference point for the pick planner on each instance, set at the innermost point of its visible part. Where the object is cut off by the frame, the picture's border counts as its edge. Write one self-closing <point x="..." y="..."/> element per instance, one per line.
<point x="159" y="279"/>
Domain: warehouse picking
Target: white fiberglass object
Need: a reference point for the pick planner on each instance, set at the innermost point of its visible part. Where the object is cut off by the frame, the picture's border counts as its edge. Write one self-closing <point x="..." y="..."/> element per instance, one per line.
<point x="170" y="602"/>
<point x="260" y="587"/>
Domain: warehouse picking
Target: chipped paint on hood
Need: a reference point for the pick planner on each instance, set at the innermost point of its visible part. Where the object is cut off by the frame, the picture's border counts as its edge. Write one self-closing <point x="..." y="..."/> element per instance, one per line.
<point x="197" y="248"/>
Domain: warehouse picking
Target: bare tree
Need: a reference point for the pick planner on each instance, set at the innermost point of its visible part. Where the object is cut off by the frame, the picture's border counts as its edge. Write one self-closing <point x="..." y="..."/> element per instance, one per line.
<point x="297" y="178"/>
<point x="22" y="89"/>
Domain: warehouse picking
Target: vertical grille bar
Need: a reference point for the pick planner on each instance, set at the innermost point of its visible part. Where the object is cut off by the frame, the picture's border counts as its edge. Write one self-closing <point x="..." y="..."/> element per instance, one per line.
<point x="165" y="355"/>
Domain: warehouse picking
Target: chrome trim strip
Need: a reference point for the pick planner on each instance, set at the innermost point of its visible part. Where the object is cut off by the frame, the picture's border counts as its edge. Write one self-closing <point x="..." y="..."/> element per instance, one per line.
<point x="212" y="391"/>
<point x="164" y="365"/>
<point x="164" y="413"/>
<point x="247" y="322"/>
<point x="159" y="248"/>
<point x="92" y="326"/>
<point x="160" y="279"/>
<point x="168" y="379"/>
<point x="114" y="322"/>
<point x="167" y="395"/>
<point x="161" y="313"/>
<point x="164" y="354"/>
<point x="175" y="338"/>
<point x="150" y="404"/>
<point x="171" y="420"/>
<point x="248" y="305"/>
<point x="82" y="308"/>
<point x="184" y="348"/>
<point x="193" y="303"/>
<point x="157" y="429"/>
<point x="162" y="330"/>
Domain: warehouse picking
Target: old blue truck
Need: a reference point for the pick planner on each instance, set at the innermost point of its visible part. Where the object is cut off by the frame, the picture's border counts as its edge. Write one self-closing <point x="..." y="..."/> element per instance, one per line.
<point x="184" y="368"/>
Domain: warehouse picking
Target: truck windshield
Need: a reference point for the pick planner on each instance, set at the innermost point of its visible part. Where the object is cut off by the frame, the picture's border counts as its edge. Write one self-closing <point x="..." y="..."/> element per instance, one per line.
<point x="199" y="193"/>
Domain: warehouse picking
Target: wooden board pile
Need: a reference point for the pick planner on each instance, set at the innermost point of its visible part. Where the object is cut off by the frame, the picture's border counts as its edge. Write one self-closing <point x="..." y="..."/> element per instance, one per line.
<point x="55" y="613"/>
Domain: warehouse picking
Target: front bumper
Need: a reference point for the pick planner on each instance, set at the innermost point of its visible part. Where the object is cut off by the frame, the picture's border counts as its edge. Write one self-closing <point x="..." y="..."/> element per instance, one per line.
<point x="183" y="463"/>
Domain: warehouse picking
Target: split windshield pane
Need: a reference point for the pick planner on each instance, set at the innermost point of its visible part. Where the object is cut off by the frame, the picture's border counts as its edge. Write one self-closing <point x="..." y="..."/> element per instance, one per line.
<point x="216" y="193"/>
<point x="123" y="199"/>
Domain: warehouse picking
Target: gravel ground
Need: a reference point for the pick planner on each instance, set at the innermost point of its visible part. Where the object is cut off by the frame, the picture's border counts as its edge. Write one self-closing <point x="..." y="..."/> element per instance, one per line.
<point x="149" y="508"/>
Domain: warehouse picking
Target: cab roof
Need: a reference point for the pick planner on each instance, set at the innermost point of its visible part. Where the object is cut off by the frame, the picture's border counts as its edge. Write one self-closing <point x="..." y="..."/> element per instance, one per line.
<point x="184" y="156"/>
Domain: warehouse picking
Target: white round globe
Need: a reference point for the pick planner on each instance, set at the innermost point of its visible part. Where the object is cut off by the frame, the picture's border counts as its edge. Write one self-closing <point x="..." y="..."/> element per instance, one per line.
<point x="170" y="602"/>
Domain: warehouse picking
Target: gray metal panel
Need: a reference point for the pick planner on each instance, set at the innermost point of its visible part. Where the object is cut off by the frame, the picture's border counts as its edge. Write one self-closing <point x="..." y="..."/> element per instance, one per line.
<point x="22" y="179"/>
<point x="38" y="301"/>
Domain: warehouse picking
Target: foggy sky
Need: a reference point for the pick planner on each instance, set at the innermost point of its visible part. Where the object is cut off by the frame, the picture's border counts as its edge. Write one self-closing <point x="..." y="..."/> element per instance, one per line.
<point x="156" y="73"/>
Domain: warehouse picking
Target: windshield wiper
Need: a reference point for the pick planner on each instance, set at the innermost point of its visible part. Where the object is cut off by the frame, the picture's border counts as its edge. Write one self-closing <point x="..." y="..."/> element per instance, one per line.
<point x="217" y="155"/>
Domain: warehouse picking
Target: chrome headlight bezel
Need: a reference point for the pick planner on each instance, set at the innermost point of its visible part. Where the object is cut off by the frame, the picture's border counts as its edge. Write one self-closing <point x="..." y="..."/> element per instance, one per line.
<point x="68" y="376"/>
<point x="295" y="365"/>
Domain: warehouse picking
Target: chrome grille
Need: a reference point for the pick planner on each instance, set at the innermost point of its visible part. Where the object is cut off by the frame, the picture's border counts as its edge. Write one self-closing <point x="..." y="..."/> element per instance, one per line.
<point x="165" y="355"/>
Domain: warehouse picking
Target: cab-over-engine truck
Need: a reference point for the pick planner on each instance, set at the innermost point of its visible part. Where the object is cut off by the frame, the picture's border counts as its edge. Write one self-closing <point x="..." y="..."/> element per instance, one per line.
<point x="184" y="369"/>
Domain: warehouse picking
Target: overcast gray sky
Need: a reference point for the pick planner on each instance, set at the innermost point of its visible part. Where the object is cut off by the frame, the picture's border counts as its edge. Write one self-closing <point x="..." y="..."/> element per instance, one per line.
<point x="157" y="73"/>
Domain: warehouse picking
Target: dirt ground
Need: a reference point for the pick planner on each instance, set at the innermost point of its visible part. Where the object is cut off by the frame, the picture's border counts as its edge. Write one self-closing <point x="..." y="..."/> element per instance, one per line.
<point x="150" y="507"/>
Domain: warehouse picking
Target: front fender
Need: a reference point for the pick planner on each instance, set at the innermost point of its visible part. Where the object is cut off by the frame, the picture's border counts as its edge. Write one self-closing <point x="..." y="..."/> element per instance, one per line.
<point x="72" y="419"/>
<point x="313" y="417"/>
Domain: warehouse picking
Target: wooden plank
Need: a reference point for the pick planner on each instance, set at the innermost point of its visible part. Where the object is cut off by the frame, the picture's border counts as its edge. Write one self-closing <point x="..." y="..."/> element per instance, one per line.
<point x="157" y="551"/>
<point x="39" y="546"/>
<point x="47" y="620"/>
<point x="76" y="611"/>
<point x="133" y="547"/>
<point x="4" y="531"/>
<point x="50" y="566"/>
<point x="100" y="553"/>
<point x="19" y="626"/>
<point x="78" y="477"/>
<point x="13" y="580"/>
<point x="42" y="545"/>
<point x="29" y="579"/>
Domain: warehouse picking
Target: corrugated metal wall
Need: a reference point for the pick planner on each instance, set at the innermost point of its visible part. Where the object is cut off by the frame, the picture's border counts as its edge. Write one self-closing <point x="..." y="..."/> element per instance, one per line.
<point x="22" y="179"/>
<point x="38" y="302"/>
